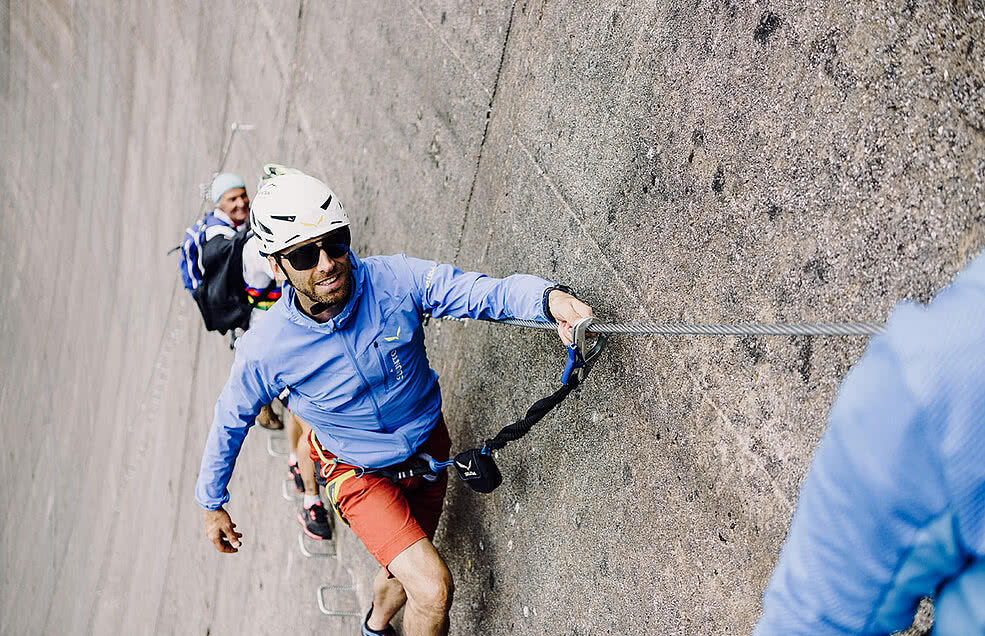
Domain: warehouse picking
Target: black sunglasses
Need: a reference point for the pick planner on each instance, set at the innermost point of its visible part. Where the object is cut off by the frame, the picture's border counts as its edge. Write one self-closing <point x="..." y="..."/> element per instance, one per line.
<point x="335" y="245"/>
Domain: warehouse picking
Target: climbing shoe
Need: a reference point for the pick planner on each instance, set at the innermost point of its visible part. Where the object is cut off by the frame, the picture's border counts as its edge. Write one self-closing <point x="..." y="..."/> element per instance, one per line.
<point x="315" y="522"/>
<point x="296" y="474"/>
<point x="387" y="631"/>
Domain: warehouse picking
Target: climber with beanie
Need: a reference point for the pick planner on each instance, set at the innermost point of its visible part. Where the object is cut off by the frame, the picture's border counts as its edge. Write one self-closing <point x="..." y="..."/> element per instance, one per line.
<point x="232" y="204"/>
<point x="230" y="215"/>
<point x="212" y="264"/>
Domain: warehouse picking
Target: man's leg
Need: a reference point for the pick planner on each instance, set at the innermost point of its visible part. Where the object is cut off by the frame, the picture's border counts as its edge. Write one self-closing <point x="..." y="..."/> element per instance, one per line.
<point x="306" y="466"/>
<point x="293" y="426"/>
<point x="299" y="462"/>
<point x="313" y="517"/>
<point x="388" y="598"/>
<point x="428" y="585"/>
<point x="394" y="522"/>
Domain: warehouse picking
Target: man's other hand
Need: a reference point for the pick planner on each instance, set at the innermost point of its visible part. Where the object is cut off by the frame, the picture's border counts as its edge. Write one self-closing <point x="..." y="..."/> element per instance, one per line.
<point x="567" y="310"/>
<point x="221" y="531"/>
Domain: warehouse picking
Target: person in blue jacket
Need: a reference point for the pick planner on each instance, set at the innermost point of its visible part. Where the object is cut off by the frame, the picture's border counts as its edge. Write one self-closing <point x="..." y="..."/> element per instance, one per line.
<point x="346" y="340"/>
<point x="893" y="507"/>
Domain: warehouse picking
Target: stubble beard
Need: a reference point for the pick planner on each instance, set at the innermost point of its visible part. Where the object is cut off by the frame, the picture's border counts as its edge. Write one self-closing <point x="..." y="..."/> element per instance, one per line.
<point x="331" y="298"/>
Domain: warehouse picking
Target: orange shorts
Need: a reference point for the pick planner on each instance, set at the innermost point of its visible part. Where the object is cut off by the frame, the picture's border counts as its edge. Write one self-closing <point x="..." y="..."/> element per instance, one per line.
<point x="388" y="517"/>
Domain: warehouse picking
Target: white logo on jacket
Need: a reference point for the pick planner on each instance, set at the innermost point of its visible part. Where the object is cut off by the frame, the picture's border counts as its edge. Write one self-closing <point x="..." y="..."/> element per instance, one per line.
<point x="398" y="368"/>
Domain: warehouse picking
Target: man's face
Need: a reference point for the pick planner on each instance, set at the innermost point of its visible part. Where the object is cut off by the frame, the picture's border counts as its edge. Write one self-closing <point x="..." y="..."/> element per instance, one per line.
<point x="328" y="281"/>
<point x="236" y="204"/>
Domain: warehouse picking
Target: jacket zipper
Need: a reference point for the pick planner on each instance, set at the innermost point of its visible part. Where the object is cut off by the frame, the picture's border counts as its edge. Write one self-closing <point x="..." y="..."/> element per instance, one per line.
<point x="369" y="387"/>
<point x="379" y="354"/>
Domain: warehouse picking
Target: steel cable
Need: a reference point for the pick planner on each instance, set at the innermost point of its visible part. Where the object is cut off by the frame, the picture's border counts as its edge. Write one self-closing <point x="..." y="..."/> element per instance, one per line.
<point x="739" y="329"/>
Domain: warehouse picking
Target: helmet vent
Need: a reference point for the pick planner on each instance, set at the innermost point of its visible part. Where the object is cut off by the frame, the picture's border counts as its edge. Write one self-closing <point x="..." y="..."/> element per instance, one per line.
<point x="289" y="219"/>
<point x="328" y="201"/>
<point x="261" y="226"/>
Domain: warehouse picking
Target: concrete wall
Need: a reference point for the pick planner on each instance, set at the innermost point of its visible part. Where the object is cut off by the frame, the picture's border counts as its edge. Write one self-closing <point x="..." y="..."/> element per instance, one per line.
<point x="704" y="161"/>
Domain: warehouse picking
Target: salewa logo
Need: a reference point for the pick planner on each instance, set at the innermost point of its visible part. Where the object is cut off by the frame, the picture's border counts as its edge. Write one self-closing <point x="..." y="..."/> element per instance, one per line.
<point x="397" y="367"/>
<point x="392" y="338"/>
<point x="316" y="223"/>
<point x="466" y="470"/>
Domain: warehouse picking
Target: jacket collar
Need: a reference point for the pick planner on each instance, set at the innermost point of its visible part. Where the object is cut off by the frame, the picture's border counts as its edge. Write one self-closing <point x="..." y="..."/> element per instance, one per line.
<point x="222" y="216"/>
<point x="347" y="314"/>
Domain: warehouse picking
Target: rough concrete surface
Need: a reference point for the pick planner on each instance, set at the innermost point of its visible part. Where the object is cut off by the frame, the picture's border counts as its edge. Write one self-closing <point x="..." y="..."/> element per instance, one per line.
<point x="698" y="160"/>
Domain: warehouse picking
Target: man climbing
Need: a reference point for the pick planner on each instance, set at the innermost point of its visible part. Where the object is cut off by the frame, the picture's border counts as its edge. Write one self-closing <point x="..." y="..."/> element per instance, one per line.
<point x="202" y="248"/>
<point x="893" y="507"/>
<point x="346" y="340"/>
<point x="211" y="265"/>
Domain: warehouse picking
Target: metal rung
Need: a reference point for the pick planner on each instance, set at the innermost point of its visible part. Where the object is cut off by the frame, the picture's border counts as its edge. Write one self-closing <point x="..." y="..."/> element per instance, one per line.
<point x="275" y="452"/>
<point x="316" y="555"/>
<point x="288" y="491"/>
<point x="340" y="588"/>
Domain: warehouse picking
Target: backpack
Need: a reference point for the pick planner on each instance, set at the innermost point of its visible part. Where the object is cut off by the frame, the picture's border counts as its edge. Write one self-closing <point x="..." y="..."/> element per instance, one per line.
<point x="212" y="271"/>
<point x="190" y="265"/>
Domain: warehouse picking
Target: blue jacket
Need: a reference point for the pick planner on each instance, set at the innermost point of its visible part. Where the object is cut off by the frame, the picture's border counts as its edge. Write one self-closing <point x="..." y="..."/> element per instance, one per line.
<point x="361" y="380"/>
<point x="893" y="507"/>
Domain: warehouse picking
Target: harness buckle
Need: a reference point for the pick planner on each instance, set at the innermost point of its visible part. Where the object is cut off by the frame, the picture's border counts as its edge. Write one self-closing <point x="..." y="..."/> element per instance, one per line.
<point x="581" y="358"/>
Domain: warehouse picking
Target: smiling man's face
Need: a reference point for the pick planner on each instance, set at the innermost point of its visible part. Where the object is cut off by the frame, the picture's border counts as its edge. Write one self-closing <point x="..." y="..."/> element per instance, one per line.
<point x="328" y="282"/>
<point x="236" y="204"/>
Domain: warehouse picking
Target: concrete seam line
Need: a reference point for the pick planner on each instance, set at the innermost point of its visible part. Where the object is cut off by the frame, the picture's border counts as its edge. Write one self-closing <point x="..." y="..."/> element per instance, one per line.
<point x="571" y="212"/>
<point x="485" y="135"/>
<point x="449" y="47"/>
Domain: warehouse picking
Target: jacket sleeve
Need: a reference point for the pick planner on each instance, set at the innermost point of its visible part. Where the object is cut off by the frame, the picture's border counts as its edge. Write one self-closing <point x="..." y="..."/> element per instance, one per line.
<point x="445" y="290"/>
<point x="958" y="606"/>
<point x="893" y="507"/>
<point x="241" y="399"/>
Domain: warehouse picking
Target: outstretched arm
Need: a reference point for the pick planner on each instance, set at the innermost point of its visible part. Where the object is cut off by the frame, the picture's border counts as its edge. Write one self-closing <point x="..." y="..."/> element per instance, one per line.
<point x="893" y="507"/>
<point x="445" y="290"/>
<point x="244" y="394"/>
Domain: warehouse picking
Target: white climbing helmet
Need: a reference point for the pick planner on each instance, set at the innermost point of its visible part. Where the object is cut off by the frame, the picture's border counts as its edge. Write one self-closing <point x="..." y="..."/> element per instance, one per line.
<point x="293" y="208"/>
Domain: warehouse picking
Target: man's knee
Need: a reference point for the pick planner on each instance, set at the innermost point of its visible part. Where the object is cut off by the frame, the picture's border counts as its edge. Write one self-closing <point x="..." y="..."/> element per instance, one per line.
<point x="425" y="577"/>
<point x="434" y="594"/>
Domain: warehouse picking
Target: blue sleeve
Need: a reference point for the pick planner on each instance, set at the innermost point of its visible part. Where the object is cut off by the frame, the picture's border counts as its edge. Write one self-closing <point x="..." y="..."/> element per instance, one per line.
<point x="445" y="290"/>
<point x="245" y="393"/>
<point x="958" y="608"/>
<point x="893" y="507"/>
